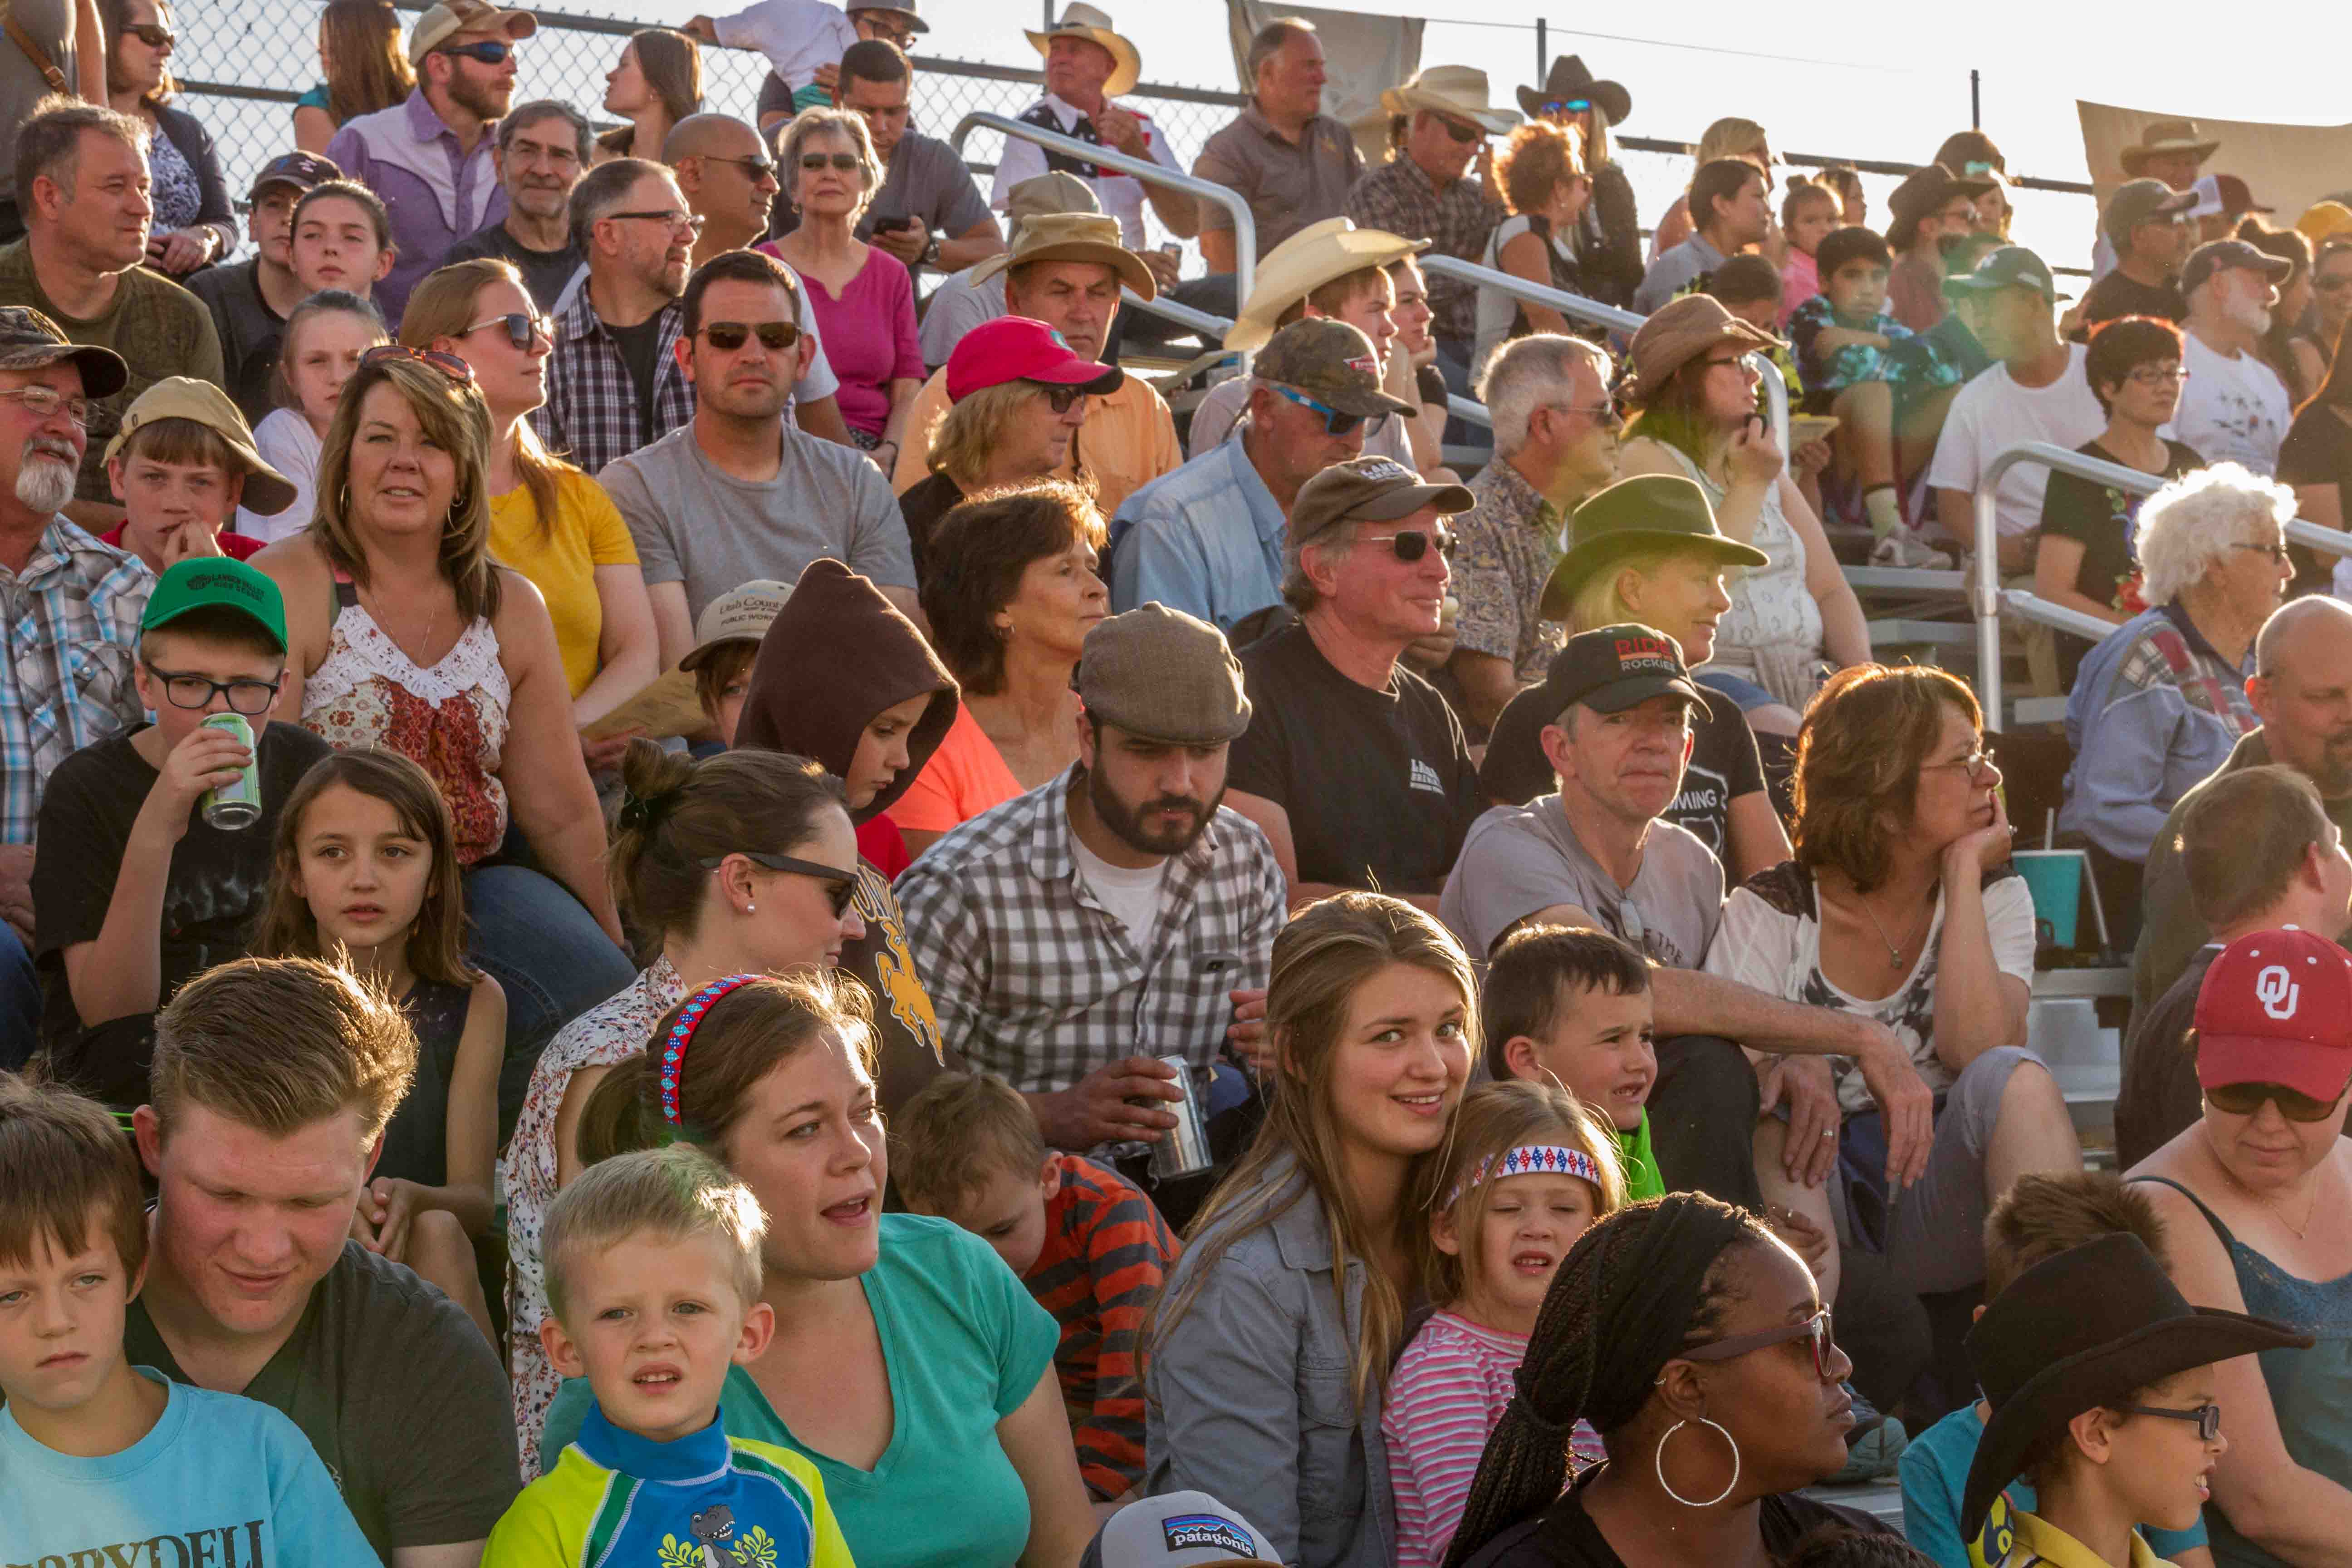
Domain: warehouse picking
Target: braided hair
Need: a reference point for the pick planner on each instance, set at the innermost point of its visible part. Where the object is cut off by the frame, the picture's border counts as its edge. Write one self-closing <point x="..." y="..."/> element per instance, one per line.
<point x="1637" y="1287"/>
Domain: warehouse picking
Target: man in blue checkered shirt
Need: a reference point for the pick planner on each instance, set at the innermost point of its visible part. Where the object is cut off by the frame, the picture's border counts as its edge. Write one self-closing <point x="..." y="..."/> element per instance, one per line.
<point x="69" y="609"/>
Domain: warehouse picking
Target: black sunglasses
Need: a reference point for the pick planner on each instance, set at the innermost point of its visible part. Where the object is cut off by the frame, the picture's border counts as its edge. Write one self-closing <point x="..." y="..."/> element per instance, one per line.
<point x="841" y="885"/>
<point x="2206" y="1417"/>
<point x="2246" y="1100"/>
<point x="152" y="35"/>
<point x="1059" y="397"/>
<point x="1458" y="130"/>
<point x="758" y="168"/>
<point x="846" y="162"/>
<point x="250" y="698"/>
<point x="728" y="336"/>
<point x="490" y="51"/>
<point x="1816" y="1328"/>
<point x="522" y="328"/>
<point x="1412" y="543"/>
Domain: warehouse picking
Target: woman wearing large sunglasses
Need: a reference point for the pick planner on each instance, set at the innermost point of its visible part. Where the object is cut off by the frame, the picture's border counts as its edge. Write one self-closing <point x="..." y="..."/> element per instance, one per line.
<point x="2256" y="1200"/>
<point x="193" y="222"/>
<point x="548" y="519"/>
<point x="1699" y="1347"/>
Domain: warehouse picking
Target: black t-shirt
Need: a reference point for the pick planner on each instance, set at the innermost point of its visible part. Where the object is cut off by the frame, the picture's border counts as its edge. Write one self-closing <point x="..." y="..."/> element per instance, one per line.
<point x="2099" y="517"/>
<point x="544" y="272"/>
<point x="416" y="1138"/>
<point x="1566" y="1537"/>
<point x="2317" y="450"/>
<point x="219" y="878"/>
<point x="923" y="505"/>
<point x="2118" y="295"/>
<point x="251" y="335"/>
<point x="641" y="351"/>
<point x="1723" y="766"/>
<point x="1378" y="785"/>
<point x="2159" y="1097"/>
<point x="398" y="1392"/>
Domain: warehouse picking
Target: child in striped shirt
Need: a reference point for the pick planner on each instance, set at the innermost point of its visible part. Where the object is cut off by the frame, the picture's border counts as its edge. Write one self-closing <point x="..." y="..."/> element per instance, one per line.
<point x="1090" y="1247"/>
<point x="1532" y="1169"/>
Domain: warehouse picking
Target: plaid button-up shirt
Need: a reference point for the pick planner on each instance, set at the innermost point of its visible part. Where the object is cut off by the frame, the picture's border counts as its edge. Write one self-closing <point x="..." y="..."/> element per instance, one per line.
<point x="1398" y="197"/>
<point x="591" y="415"/>
<point x="70" y="619"/>
<point x="1034" y="978"/>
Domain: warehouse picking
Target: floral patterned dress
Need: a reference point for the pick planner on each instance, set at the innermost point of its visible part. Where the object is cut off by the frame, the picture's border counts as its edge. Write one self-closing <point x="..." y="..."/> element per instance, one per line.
<point x="605" y="1035"/>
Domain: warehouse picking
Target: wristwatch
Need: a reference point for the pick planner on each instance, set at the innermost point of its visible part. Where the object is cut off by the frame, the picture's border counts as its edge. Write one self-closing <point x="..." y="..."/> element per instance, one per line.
<point x="931" y="257"/>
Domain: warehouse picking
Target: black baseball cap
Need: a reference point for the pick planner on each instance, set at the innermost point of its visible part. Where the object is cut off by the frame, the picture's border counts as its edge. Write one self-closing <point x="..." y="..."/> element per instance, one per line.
<point x="303" y="170"/>
<point x="2220" y="255"/>
<point x="1616" y="667"/>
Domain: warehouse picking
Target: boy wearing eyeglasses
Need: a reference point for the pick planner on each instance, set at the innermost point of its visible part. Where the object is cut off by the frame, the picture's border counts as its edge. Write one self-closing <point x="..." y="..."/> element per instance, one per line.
<point x="135" y="891"/>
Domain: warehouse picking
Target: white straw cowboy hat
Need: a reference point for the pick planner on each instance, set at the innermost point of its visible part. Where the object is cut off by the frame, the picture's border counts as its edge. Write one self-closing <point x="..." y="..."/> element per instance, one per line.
<point x="1083" y="21"/>
<point x="1458" y="90"/>
<point x="1313" y="257"/>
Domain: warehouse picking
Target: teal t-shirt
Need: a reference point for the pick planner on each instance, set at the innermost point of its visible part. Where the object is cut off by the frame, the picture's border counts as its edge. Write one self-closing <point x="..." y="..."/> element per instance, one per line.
<point x="965" y="1345"/>
<point x="220" y="1479"/>
<point x="1935" y="1471"/>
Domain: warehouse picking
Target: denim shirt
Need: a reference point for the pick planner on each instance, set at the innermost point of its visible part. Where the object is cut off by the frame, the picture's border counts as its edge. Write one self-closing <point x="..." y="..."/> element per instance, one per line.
<point x="1205" y="539"/>
<point x="1250" y="1396"/>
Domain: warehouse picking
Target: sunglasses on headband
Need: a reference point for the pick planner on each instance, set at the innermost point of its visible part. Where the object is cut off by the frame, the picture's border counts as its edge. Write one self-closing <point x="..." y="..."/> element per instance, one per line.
<point x="2246" y="1100"/>
<point x="450" y="365"/>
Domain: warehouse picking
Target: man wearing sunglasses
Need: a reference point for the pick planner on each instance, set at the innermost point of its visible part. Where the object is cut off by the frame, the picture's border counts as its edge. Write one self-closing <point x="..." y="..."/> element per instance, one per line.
<point x="541" y="150"/>
<point x="430" y="157"/>
<point x="730" y="179"/>
<point x="2147" y="221"/>
<point x="1355" y="767"/>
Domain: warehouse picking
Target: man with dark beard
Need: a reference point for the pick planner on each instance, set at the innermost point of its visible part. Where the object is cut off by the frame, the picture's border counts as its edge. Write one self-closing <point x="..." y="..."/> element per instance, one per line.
<point x="69" y="633"/>
<point x="1074" y="937"/>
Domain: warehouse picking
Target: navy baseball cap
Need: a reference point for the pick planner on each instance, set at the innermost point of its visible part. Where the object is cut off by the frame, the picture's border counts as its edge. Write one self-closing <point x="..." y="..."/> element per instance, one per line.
<point x="303" y="170"/>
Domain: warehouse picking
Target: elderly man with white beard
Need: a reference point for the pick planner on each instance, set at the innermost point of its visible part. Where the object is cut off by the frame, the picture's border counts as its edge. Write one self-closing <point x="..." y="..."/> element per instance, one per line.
<point x="69" y="609"/>
<point x="2233" y="407"/>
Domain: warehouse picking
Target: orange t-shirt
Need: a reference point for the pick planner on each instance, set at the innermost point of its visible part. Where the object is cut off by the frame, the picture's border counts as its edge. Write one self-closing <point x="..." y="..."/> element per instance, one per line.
<point x="964" y="777"/>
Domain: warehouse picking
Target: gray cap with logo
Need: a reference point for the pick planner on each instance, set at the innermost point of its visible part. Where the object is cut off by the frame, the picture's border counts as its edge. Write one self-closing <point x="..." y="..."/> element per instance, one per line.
<point x="1178" y="1530"/>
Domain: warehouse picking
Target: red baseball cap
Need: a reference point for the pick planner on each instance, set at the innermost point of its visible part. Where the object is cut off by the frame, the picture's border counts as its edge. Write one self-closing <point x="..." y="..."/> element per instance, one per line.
<point x="2277" y="1007"/>
<point x="1014" y="348"/>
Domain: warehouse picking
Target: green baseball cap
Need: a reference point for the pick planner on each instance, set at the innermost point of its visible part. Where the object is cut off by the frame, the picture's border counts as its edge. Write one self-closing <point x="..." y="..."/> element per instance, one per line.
<point x="216" y="579"/>
<point x="1331" y="362"/>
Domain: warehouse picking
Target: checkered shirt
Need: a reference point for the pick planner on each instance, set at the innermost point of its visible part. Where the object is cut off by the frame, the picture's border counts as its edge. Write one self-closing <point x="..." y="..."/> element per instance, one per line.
<point x="1034" y="979"/>
<point x="590" y="416"/>
<point x="1398" y="197"/>
<point x="71" y="624"/>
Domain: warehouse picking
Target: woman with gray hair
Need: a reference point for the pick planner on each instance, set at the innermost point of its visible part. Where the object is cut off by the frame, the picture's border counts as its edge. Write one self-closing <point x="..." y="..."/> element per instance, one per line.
<point x="2159" y="705"/>
<point x="864" y="297"/>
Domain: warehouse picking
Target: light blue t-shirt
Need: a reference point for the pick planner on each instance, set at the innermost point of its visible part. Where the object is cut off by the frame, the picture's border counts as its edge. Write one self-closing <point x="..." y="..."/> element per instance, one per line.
<point x="219" y="1479"/>
<point x="1935" y="1471"/>
<point x="965" y="1345"/>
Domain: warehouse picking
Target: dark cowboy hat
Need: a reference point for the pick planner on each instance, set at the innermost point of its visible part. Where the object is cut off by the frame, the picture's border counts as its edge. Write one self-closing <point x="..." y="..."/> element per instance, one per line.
<point x="2082" y="1329"/>
<point x="1569" y="78"/>
<point x="1644" y="512"/>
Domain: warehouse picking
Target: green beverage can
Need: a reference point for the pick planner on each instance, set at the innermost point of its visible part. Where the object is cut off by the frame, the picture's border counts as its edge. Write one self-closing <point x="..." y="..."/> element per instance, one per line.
<point x="238" y="805"/>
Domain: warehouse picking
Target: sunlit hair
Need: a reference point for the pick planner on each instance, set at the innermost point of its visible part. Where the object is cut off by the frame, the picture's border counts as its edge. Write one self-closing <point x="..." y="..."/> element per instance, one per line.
<point x="454" y="418"/>
<point x="326" y="302"/>
<point x="48" y="143"/>
<point x="67" y="1171"/>
<point x="289" y="927"/>
<point x="1496" y="1118"/>
<point x="671" y="64"/>
<point x="443" y="305"/>
<point x="369" y="69"/>
<point x="677" y="1194"/>
<point x="960" y="1133"/>
<point x="2045" y="1214"/>
<point x="846" y="123"/>
<point x="1271" y="40"/>
<point x="379" y="217"/>
<point x="2191" y="525"/>
<point x="1529" y="373"/>
<point x="1321" y="960"/>
<point x="282" y="1044"/>
<point x="1538" y="972"/>
<point x="1866" y="734"/>
<point x="978" y="553"/>
<point x="2245" y="837"/>
<point x="1536" y="160"/>
<point x="1804" y="192"/>
<point x="971" y="431"/>
<point x="1731" y="138"/>
<point x="1599" y="600"/>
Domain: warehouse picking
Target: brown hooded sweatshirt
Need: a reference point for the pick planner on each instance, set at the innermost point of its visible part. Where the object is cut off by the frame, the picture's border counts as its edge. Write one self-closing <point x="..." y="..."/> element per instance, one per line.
<point x="837" y="654"/>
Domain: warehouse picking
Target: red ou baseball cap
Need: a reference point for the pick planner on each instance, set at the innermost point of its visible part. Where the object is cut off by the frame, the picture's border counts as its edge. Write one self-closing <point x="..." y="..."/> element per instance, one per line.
<point x="2277" y="1007"/>
<point x="1014" y="348"/>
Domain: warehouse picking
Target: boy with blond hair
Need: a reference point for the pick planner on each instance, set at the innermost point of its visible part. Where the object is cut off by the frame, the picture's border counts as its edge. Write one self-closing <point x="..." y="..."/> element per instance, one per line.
<point x="653" y="1270"/>
<point x="101" y="1460"/>
<point x="1090" y="1247"/>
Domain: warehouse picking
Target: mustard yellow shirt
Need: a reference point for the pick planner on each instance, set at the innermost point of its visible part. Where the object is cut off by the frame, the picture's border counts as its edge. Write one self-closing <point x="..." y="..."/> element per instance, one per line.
<point x="562" y="558"/>
<point x="2036" y="1543"/>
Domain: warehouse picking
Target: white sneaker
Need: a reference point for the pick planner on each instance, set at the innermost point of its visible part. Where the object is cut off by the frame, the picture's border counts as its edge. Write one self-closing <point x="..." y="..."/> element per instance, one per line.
<point x="1908" y="550"/>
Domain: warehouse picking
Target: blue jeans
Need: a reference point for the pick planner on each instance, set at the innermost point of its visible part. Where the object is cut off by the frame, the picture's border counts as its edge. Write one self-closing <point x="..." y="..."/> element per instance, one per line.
<point x="20" y="1002"/>
<point x="549" y="955"/>
<point x="1741" y="690"/>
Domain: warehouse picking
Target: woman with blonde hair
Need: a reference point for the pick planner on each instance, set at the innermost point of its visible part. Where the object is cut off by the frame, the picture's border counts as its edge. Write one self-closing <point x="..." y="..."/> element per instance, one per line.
<point x="1728" y="138"/>
<point x="402" y="631"/>
<point x="656" y="83"/>
<point x="361" y="55"/>
<point x="1273" y="1339"/>
<point x="548" y="519"/>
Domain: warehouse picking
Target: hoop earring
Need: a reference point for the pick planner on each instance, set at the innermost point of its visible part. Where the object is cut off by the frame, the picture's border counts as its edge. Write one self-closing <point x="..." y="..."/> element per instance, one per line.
<point x="343" y="502"/>
<point x="1668" y="1487"/>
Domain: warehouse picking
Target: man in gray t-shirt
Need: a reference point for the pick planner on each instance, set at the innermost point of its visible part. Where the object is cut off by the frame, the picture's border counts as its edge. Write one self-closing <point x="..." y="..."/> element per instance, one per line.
<point x="738" y="493"/>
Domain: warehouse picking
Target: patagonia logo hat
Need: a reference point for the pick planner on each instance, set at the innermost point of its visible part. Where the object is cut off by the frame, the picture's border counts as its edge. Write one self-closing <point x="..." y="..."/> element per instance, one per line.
<point x="1182" y="1529"/>
<point x="217" y="581"/>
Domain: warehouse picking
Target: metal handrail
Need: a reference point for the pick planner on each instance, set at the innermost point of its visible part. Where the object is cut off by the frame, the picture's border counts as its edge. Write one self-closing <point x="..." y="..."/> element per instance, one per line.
<point x="1245" y="225"/>
<point x="1987" y="599"/>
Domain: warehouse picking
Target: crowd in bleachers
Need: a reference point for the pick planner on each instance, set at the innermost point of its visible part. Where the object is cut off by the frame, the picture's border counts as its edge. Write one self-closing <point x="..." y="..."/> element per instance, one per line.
<point x="700" y="864"/>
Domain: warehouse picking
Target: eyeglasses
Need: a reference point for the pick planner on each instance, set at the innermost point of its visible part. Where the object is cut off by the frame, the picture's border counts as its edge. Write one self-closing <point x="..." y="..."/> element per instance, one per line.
<point x="1565" y="106"/>
<point x="522" y="328"/>
<point x="904" y="37"/>
<point x="1412" y="543"/>
<point x="758" y="168"/>
<point x="1334" y="422"/>
<point x="2153" y="375"/>
<point x="690" y="222"/>
<point x="1816" y="1326"/>
<point x="841" y="885"/>
<point x="1060" y="398"/>
<point x="1608" y="415"/>
<point x="450" y="365"/>
<point x="2246" y="1100"/>
<point x="1740" y="360"/>
<point x="490" y="51"/>
<point x="1459" y="129"/>
<point x="843" y="162"/>
<point x="2277" y="552"/>
<point x="2206" y="1417"/>
<point x="1981" y="760"/>
<point x="250" y="698"/>
<point x="151" y="34"/>
<point x="42" y="402"/>
<point x="728" y="336"/>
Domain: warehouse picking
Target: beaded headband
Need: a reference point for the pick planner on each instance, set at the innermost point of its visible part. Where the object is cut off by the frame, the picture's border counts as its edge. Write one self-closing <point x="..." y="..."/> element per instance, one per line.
<point x="1530" y="1160"/>
<point x="681" y="1034"/>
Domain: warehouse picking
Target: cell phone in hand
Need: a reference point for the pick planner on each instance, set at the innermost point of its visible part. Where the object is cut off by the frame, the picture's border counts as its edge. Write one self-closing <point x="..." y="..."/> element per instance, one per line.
<point x="898" y="224"/>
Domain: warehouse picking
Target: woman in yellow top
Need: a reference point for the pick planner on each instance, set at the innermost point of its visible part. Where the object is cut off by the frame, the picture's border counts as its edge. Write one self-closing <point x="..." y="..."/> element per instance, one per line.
<point x="548" y="519"/>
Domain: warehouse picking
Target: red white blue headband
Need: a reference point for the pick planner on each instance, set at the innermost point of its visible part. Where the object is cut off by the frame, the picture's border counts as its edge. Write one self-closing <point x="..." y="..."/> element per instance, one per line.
<point x="1530" y="1160"/>
<point x="681" y="1034"/>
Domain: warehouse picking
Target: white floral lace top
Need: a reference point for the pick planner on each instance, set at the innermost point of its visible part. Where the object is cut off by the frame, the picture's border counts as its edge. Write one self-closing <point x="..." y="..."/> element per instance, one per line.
<point x="1770" y="606"/>
<point x="605" y="1035"/>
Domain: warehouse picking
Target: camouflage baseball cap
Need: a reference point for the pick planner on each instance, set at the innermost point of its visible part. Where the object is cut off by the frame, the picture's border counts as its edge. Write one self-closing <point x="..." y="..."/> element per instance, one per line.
<point x="1330" y="362"/>
<point x="28" y="339"/>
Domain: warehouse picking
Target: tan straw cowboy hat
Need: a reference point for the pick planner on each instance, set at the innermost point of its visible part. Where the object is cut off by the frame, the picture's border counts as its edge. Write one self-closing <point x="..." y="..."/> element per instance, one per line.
<point x="2165" y="136"/>
<point x="1071" y="237"/>
<point x="1458" y="90"/>
<point x="1083" y="21"/>
<point x="1316" y="255"/>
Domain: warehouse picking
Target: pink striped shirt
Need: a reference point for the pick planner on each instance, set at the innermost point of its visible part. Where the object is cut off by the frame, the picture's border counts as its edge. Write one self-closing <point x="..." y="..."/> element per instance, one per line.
<point x="1443" y="1398"/>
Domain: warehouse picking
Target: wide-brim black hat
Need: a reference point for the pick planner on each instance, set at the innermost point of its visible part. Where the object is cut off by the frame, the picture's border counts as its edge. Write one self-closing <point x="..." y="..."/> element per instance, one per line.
<point x="2081" y="1330"/>
<point x="1569" y="78"/>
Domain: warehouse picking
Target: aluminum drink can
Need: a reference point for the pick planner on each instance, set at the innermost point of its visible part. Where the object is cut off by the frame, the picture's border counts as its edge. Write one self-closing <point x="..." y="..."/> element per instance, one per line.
<point x="1183" y="1149"/>
<point x="238" y="805"/>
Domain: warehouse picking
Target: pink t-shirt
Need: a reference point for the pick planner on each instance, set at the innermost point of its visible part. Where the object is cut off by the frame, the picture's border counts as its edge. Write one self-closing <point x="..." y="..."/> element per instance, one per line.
<point x="869" y="334"/>
<point x="1800" y="280"/>
<point x="964" y="777"/>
